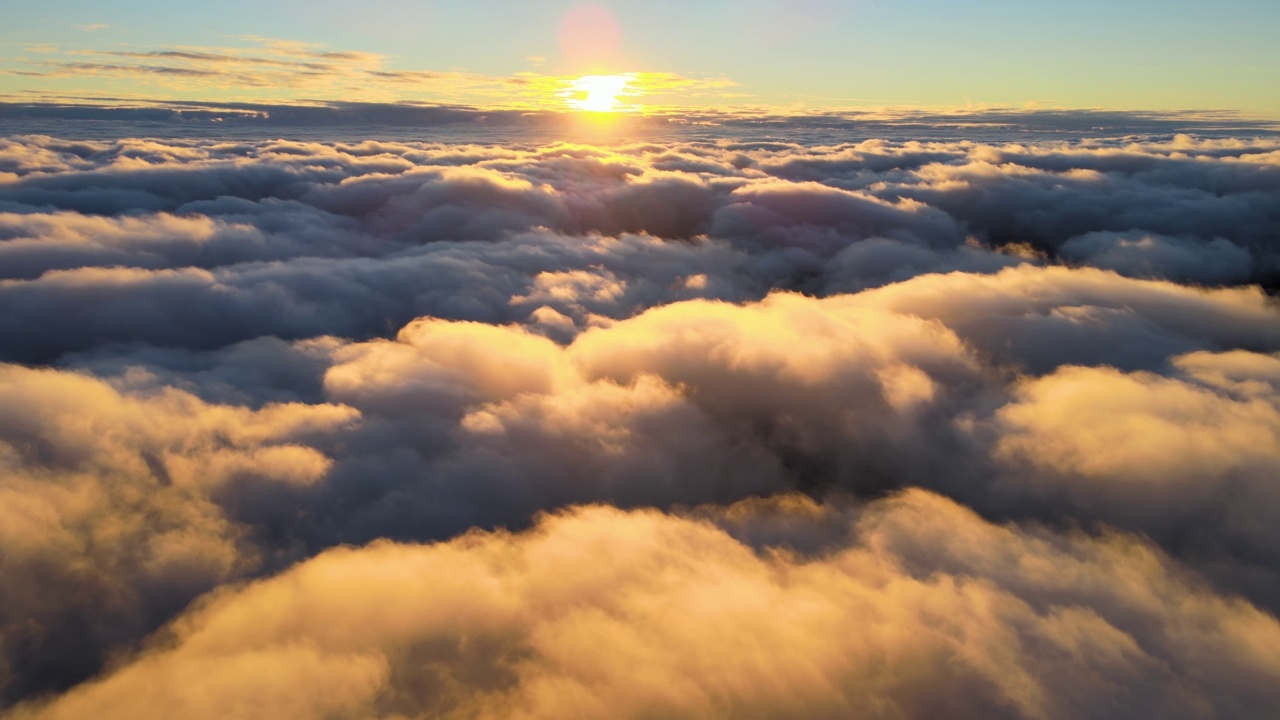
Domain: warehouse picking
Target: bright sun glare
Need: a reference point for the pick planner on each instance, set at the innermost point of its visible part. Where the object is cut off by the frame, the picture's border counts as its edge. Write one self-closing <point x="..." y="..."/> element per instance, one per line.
<point x="597" y="93"/>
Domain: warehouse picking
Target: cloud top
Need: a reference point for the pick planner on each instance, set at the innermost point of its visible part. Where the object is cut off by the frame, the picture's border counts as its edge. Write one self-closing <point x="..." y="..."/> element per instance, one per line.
<point x="920" y="607"/>
<point x="691" y="427"/>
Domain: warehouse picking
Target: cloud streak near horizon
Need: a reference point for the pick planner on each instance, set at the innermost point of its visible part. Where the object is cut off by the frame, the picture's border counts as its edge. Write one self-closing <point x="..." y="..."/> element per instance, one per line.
<point x="669" y="428"/>
<point x="282" y="71"/>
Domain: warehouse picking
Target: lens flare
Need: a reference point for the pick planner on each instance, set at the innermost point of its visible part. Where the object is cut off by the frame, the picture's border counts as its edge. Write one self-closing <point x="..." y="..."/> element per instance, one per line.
<point x="590" y="38"/>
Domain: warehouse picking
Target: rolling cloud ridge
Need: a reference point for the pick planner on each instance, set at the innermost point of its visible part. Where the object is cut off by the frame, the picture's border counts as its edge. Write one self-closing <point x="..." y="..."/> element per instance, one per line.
<point x="669" y="426"/>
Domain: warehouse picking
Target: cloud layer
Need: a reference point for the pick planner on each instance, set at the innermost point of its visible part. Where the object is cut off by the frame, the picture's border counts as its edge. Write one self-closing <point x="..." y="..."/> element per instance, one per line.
<point x="889" y="428"/>
<point x="917" y="608"/>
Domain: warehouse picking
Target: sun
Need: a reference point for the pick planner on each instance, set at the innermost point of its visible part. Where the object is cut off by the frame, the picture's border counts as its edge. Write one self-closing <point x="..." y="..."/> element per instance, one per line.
<point x="598" y="93"/>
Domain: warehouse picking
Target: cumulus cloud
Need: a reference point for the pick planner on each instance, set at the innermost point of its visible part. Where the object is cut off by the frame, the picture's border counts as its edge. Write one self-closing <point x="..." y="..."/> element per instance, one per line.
<point x="1189" y="460"/>
<point x="919" y="607"/>
<point x="1039" y="318"/>
<point x="240" y="370"/>
<point x="119" y="508"/>
<point x="358" y="239"/>
<point x="695" y="402"/>
<point x="1217" y="261"/>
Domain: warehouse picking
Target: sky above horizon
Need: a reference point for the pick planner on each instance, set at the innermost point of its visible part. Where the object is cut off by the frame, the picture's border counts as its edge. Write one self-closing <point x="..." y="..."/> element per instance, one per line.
<point x="1182" y="55"/>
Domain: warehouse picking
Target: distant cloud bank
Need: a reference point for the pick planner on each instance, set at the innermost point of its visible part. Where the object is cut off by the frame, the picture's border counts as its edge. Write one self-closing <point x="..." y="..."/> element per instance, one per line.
<point x="666" y="123"/>
<point x="681" y="427"/>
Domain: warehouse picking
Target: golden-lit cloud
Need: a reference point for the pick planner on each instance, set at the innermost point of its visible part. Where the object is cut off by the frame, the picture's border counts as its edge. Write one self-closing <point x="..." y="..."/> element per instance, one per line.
<point x="774" y="428"/>
<point x="918" y="606"/>
<point x="112" y="505"/>
<point x="283" y="70"/>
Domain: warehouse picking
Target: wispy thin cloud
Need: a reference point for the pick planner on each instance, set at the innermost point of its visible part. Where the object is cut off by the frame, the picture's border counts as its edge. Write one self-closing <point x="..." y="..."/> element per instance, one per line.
<point x="293" y="71"/>
<point x="210" y="57"/>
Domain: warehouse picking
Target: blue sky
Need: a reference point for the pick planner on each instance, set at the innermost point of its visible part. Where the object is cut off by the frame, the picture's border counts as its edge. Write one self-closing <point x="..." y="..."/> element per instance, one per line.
<point x="1141" y="54"/>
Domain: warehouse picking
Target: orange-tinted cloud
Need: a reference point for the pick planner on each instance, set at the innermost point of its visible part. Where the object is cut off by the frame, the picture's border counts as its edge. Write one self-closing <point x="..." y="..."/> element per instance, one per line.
<point x="251" y="364"/>
<point x="920" y="608"/>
